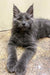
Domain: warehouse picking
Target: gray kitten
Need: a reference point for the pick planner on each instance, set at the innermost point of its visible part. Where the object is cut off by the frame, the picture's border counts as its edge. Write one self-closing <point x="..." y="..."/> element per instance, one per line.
<point x="25" y="32"/>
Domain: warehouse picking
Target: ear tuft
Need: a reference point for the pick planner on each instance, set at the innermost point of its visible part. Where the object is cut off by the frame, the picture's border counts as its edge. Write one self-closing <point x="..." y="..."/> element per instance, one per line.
<point x="30" y="10"/>
<point x="15" y="10"/>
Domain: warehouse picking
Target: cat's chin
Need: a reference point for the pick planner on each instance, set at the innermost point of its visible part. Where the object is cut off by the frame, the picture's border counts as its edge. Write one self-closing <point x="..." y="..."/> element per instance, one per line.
<point x="22" y="28"/>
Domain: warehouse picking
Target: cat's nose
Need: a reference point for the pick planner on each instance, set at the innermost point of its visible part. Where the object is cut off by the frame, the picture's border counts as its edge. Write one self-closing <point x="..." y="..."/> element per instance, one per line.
<point x="23" y="23"/>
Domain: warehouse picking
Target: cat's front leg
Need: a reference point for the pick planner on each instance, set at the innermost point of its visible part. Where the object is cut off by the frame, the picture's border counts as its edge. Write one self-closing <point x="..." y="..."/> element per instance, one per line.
<point x="11" y="62"/>
<point x="20" y="68"/>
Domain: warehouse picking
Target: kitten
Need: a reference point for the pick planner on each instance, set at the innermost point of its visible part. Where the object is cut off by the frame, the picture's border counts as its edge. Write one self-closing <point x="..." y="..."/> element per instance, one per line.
<point x="25" y="32"/>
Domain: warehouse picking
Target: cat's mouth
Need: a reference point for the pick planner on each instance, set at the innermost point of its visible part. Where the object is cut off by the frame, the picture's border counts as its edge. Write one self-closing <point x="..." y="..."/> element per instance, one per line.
<point x="23" y="28"/>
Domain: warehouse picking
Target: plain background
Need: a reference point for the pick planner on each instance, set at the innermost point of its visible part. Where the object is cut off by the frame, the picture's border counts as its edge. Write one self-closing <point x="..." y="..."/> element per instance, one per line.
<point x="41" y="10"/>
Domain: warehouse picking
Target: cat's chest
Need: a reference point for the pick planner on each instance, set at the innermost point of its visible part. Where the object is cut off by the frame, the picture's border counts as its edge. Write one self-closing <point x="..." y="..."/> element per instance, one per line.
<point x="22" y="39"/>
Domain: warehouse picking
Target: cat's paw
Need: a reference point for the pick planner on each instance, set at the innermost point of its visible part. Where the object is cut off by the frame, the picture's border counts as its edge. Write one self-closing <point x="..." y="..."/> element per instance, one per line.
<point x="20" y="70"/>
<point x="11" y="66"/>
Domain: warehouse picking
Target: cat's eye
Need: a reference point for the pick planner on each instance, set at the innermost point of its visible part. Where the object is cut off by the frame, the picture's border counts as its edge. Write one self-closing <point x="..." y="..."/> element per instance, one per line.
<point x="19" y="18"/>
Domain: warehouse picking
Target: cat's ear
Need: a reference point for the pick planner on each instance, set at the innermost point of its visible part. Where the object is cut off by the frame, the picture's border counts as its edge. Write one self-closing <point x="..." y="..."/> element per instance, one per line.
<point x="15" y="11"/>
<point x="30" y="10"/>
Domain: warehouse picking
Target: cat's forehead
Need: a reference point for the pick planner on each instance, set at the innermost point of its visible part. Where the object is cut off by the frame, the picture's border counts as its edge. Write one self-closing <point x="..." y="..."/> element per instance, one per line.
<point x="23" y="14"/>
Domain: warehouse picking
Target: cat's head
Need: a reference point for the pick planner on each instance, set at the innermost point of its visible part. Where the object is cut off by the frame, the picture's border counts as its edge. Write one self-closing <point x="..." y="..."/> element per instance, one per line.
<point x="22" y="21"/>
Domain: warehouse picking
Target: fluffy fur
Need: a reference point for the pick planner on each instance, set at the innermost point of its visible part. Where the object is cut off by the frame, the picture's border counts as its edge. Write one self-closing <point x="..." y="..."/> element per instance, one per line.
<point x="25" y="32"/>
